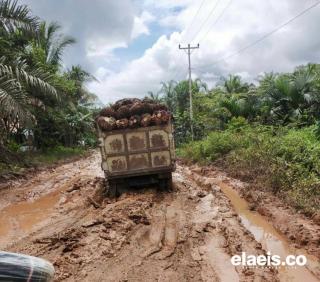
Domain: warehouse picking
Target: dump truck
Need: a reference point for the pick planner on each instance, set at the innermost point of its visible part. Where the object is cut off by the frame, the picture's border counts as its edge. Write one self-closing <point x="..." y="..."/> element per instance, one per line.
<point x="137" y="157"/>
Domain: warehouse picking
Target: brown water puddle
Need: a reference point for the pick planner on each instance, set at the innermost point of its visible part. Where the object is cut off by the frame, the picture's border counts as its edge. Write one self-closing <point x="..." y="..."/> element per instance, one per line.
<point x="19" y="219"/>
<point x="271" y="239"/>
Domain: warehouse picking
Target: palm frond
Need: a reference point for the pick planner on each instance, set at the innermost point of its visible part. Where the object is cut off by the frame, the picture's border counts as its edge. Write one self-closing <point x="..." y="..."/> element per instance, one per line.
<point x="14" y="16"/>
<point x="56" y="50"/>
<point x="13" y="100"/>
<point x="34" y="79"/>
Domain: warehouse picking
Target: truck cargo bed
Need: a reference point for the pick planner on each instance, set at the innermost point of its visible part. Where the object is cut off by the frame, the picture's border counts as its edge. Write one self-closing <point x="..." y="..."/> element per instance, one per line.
<point x="136" y="152"/>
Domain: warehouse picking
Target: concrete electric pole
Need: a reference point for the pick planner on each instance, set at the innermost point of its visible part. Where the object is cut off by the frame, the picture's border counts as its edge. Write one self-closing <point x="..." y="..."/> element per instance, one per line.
<point x="189" y="48"/>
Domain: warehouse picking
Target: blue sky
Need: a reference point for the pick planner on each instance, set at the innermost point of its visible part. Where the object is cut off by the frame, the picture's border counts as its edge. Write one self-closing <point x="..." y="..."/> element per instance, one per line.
<point x="132" y="45"/>
<point x="137" y="47"/>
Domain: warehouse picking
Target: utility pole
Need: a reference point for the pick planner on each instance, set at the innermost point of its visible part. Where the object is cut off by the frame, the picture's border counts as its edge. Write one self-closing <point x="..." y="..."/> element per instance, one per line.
<point x="189" y="48"/>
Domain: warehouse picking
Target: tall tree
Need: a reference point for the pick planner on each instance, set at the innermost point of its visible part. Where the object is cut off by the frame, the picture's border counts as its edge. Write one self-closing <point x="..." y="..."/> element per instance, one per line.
<point x="81" y="77"/>
<point x="154" y="96"/>
<point x="169" y="94"/>
<point x="53" y="42"/>
<point x="234" y="84"/>
<point x="15" y="17"/>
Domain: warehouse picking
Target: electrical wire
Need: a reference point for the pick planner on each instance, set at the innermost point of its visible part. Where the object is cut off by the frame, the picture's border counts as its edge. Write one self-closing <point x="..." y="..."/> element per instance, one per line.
<point x="205" y="21"/>
<point x="215" y="22"/>
<point x="265" y="36"/>
<point x="194" y="17"/>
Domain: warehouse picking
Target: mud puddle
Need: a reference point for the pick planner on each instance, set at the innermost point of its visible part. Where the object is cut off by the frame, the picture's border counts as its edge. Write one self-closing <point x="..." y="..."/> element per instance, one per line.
<point x="271" y="240"/>
<point x="19" y="219"/>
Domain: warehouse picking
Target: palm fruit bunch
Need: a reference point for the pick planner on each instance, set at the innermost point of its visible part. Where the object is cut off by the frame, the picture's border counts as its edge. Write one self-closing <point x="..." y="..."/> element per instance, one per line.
<point x="145" y="120"/>
<point x="108" y="112"/>
<point x="123" y="112"/>
<point x="134" y="121"/>
<point x="160" y="117"/>
<point x="106" y="123"/>
<point x="122" y="123"/>
<point x="137" y="108"/>
<point x="159" y="107"/>
<point x="125" y="102"/>
<point x="133" y="113"/>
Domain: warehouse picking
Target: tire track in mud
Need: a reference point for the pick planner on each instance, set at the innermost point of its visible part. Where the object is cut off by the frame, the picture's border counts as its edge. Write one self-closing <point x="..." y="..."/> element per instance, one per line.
<point x="187" y="235"/>
<point x="263" y="231"/>
<point x="147" y="235"/>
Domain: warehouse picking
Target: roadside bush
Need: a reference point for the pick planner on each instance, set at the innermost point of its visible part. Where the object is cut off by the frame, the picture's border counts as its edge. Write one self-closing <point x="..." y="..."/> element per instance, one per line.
<point x="57" y="153"/>
<point x="284" y="160"/>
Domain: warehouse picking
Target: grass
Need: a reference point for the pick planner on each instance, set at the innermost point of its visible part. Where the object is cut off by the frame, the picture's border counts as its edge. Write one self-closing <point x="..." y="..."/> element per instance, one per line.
<point x="283" y="160"/>
<point x="55" y="154"/>
<point x="23" y="160"/>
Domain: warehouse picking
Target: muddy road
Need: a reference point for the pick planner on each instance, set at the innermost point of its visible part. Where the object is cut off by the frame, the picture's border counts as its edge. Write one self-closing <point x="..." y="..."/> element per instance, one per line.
<point x="188" y="234"/>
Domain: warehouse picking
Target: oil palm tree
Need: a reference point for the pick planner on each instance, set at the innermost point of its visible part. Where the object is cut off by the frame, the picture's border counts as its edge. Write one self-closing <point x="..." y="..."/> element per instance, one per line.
<point x="18" y="82"/>
<point x="233" y="84"/>
<point x="288" y="95"/>
<point x="53" y="42"/>
<point x="81" y="77"/>
<point x="169" y="94"/>
<point x="15" y="17"/>
<point x="154" y="96"/>
<point x="200" y="85"/>
<point x="18" y="86"/>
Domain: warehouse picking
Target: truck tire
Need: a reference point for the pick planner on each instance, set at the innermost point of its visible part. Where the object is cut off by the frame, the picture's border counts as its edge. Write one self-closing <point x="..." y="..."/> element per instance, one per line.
<point x="111" y="189"/>
<point x="165" y="184"/>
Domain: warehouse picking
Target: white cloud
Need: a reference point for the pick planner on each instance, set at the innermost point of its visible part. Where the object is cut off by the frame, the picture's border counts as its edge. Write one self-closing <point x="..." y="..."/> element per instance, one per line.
<point x="243" y="22"/>
<point x="102" y="26"/>
<point x="99" y="27"/>
<point x="143" y="74"/>
<point x="141" y="24"/>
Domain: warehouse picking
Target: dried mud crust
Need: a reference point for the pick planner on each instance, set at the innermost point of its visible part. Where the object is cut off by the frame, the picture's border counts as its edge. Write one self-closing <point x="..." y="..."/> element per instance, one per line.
<point x="186" y="235"/>
<point x="301" y="231"/>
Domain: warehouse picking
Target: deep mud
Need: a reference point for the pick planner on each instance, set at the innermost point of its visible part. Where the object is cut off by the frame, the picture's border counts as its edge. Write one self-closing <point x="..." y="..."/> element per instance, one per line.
<point x="147" y="235"/>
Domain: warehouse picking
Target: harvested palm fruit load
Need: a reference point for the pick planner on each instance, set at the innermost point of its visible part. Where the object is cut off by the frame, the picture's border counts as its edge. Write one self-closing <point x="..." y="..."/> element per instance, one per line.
<point x="134" y="121"/>
<point x="133" y="113"/>
<point x="106" y="123"/>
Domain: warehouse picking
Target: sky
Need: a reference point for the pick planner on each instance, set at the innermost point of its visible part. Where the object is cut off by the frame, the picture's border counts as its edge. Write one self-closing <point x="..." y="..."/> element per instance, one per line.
<point x="131" y="46"/>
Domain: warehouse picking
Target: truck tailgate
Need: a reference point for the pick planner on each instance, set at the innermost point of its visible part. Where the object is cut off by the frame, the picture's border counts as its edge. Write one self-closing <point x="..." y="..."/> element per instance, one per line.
<point x="137" y="151"/>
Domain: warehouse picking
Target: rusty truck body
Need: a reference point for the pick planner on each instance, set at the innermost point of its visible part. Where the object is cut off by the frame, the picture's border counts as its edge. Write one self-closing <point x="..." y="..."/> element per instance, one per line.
<point x="135" y="157"/>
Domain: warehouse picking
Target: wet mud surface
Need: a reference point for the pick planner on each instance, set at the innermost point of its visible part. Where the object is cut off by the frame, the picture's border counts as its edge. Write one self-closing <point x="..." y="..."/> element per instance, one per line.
<point x="188" y="234"/>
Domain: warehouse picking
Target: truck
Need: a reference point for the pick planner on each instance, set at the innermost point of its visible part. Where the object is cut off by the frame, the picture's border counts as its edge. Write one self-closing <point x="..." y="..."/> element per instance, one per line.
<point x="137" y="157"/>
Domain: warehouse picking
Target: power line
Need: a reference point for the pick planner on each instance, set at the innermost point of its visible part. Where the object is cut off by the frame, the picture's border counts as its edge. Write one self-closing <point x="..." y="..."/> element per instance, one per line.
<point x="265" y="36"/>
<point x="194" y="17"/>
<point x="217" y="19"/>
<point x="205" y="21"/>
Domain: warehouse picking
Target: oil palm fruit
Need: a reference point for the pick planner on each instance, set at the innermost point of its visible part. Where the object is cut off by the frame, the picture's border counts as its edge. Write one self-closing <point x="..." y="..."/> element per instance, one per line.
<point x="134" y="121"/>
<point x="145" y="120"/>
<point x="122" y="123"/>
<point x="108" y="112"/>
<point x="106" y="123"/>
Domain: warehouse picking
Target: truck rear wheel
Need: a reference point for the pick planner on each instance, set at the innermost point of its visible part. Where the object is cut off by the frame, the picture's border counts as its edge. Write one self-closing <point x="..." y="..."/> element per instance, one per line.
<point x="111" y="189"/>
<point x="165" y="184"/>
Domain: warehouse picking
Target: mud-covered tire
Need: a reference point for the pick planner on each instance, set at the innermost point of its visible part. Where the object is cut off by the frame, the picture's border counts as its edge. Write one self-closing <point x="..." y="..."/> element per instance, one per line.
<point x="165" y="184"/>
<point x="111" y="189"/>
<point x="169" y="184"/>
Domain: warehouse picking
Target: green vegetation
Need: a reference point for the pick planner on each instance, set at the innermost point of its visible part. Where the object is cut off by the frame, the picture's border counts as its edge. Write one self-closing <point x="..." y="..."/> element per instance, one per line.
<point x="266" y="133"/>
<point x="55" y="154"/>
<point x="20" y="161"/>
<point x="283" y="160"/>
<point x="42" y="105"/>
